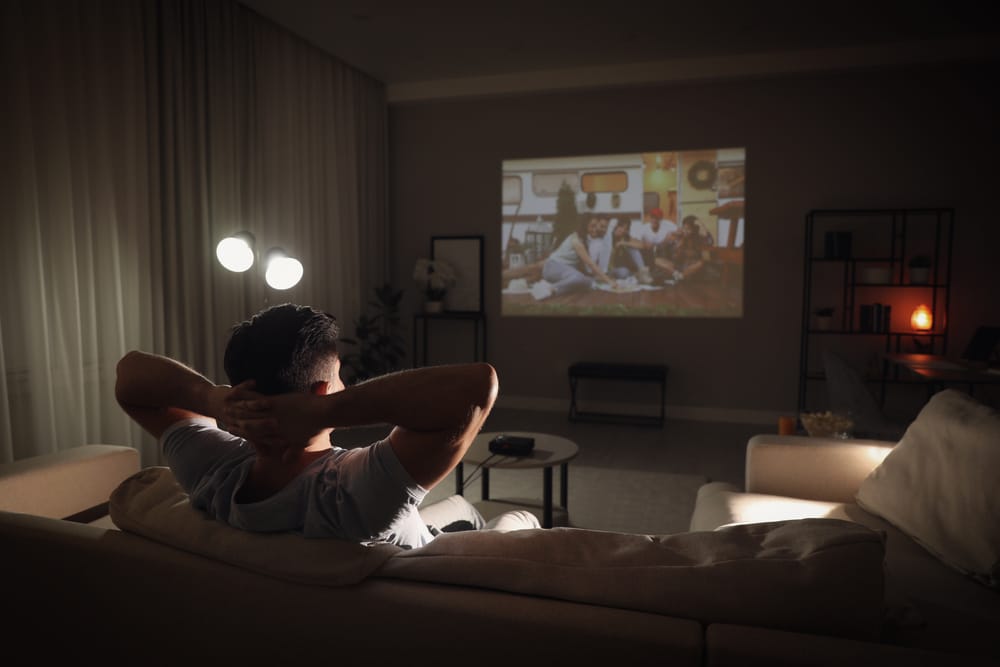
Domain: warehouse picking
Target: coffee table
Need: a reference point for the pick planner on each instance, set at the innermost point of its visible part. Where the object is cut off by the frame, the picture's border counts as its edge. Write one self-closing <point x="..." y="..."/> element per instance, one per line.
<point x="549" y="451"/>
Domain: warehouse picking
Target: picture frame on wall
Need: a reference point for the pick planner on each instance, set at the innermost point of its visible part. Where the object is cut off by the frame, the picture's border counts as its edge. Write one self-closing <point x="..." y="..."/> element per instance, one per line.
<point x="465" y="254"/>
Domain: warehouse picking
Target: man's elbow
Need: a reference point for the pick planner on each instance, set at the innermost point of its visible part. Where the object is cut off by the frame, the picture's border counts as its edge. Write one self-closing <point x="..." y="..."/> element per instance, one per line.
<point x="487" y="385"/>
<point x="123" y="374"/>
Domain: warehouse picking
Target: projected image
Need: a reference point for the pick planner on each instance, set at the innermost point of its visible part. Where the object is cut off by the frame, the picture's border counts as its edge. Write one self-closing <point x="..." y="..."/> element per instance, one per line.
<point x="657" y="234"/>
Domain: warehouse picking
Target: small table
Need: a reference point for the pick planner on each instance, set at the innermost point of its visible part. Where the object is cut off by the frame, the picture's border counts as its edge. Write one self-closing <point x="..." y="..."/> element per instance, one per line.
<point x="550" y="450"/>
<point x="937" y="371"/>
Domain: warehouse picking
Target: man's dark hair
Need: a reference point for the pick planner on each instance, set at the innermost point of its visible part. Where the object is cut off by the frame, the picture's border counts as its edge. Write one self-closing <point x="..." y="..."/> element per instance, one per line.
<point x="690" y="221"/>
<point x="283" y="349"/>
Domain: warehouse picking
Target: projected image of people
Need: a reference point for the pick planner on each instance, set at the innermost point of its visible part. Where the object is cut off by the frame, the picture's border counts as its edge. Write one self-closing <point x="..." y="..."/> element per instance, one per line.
<point x="599" y="235"/>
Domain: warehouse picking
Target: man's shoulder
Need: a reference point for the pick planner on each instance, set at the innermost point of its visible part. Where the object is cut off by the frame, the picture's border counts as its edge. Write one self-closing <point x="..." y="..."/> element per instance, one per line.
<point x="192" y="424"/>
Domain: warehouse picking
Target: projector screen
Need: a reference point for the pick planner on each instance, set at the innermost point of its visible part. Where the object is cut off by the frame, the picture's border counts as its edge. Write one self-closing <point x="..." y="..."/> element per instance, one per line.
<point x="656" y="234"/>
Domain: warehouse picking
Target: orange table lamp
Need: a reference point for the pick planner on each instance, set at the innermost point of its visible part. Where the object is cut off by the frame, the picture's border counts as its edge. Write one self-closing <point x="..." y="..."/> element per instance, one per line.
<point x="921" y="319"/>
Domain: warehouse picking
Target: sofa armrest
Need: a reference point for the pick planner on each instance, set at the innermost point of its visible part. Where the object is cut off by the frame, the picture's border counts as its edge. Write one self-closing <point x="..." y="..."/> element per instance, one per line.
<point x="66" y="483"/>
<point x="827" y="469"/>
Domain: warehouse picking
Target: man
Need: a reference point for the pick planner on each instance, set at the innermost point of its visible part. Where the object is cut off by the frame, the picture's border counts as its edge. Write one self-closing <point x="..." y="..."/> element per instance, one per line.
<point x="274" y="469"/>
<point x="688" y="251"/>
<point x="650" y="237"/>
<point x="599" y="240"/>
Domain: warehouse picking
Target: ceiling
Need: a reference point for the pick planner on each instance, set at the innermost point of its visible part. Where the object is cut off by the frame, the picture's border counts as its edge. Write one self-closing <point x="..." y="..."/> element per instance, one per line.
<point x="417" y="48"/>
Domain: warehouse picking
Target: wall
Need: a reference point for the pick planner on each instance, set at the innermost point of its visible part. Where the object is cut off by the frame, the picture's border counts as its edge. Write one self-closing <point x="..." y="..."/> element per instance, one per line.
<point x="906" y="137"/>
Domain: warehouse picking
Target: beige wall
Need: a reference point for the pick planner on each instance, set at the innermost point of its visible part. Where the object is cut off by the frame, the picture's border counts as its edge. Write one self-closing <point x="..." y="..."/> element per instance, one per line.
<point x="908" y="137"/>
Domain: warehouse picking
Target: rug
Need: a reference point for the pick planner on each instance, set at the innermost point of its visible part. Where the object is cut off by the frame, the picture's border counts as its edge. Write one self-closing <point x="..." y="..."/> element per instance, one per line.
<point x="611" y="499"/>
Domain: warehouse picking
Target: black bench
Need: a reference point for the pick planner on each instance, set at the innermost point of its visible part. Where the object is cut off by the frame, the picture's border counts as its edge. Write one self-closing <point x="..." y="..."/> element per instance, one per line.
<point x="656" y="373"/>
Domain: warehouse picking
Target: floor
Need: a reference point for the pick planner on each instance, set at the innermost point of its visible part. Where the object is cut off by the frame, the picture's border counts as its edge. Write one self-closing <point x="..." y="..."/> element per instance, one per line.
<point x="714" y="450"/>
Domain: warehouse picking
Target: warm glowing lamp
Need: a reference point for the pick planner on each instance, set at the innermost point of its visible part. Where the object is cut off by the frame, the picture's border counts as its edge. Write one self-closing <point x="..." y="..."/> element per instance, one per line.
<point x="283" y="272"/>
<point x="236" y="252"/>
<point x="921" y="319"/>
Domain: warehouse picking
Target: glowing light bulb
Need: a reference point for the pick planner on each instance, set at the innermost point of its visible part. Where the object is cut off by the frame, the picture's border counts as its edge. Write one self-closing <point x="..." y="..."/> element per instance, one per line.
<point x="921" y="319"/>
<point x="235" y="253"/>
<point x="283" y="272"/>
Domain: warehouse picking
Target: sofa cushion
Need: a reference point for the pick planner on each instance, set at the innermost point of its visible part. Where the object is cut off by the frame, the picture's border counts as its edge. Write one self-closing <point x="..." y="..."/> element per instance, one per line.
<point x="721" y="504"/>
<point x="816" y="575"/>
<point x="151" y="503"/>
<point x="939" y="484"/>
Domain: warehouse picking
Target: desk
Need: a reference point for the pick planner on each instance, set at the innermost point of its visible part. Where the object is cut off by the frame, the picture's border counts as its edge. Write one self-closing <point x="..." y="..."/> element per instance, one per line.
<point x="420" y="321"/>
<point x="550" y="450"/>
<point x="937" y="371"/>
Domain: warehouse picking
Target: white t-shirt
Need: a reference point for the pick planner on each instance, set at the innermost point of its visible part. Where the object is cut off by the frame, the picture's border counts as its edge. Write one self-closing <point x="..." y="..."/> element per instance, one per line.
<point x="645" y="232"/>
<point x="359" y="495"/>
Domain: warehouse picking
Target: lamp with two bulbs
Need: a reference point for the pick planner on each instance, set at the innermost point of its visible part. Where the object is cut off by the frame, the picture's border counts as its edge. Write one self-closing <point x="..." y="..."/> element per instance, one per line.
<point x="236" y="253"/>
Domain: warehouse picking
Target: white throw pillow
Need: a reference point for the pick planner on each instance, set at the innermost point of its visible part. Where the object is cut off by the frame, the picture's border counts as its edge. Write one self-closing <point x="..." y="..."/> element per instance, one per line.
<point x="939" y="485"/>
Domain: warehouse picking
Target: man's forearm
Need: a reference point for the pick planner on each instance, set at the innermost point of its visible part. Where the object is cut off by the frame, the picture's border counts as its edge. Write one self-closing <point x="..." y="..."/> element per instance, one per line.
<point x="423" y="399"/>
<point x="152" y="381"/>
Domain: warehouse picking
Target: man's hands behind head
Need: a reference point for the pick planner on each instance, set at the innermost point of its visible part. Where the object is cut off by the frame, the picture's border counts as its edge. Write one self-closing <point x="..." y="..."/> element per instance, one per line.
<point x="278" y="426"/>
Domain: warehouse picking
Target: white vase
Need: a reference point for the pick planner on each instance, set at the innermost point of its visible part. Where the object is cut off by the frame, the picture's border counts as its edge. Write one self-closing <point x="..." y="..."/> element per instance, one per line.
<point x="433" y="306"/>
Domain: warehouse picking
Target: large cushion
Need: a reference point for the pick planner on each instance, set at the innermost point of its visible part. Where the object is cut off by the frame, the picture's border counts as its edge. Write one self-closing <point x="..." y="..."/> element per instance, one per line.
<point x="151" y="503"/>
<point x="939" y="484"/>
<point x="814" y="575"/>
<point x="721" y="504"/>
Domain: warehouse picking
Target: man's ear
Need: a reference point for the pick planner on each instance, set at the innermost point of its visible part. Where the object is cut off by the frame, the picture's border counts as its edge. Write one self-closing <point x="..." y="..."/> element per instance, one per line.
<point x="321" y="388"/>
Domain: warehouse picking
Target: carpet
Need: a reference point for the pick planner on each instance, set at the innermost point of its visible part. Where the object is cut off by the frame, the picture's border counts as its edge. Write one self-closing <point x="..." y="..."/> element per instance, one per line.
<point x="611" y="499"/>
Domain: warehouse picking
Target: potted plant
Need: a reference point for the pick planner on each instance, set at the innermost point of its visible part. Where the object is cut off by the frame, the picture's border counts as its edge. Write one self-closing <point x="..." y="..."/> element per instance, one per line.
<point x="824" y="318"/>
<point x="379" y="344"/>
<point x="920" y="269"/>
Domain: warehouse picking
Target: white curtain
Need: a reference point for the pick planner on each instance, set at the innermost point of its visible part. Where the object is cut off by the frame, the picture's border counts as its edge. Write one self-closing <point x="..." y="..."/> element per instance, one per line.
<point x="141" y="134"/>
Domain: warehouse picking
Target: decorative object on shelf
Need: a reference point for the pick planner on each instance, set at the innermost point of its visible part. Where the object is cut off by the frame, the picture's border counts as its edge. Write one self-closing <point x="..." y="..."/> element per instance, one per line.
<point x="377" y="337"/>
<point x="824" y="318"/>
<point x="616" y="200"/>
<point x="436" y="276"/>
<point x="464" y="254"/>
<point x="922" y="319"/>
<point x="920" y="270"/>
<point x="826" y="424"/>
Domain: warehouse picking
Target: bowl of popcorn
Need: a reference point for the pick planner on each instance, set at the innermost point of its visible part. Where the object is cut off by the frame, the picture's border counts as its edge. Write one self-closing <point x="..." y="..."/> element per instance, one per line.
<point x="827" y="424"/>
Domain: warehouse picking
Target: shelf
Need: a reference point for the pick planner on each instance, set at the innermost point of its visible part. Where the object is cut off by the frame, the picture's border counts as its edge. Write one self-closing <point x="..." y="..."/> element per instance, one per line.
<point x="895" y="285"/>
<point x="845" y="332"/>
<point x="886" y="237"/>
<point x="854" y="259"/>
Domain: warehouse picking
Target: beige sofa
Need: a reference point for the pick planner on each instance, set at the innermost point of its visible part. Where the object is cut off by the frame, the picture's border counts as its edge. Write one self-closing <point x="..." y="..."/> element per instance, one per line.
<point x="177" y="588"/>
<point x="928" y="604"/>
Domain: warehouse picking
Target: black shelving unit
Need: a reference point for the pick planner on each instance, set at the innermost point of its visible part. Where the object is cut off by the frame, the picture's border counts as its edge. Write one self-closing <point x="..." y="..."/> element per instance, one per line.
<point x="837" y="270"/>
